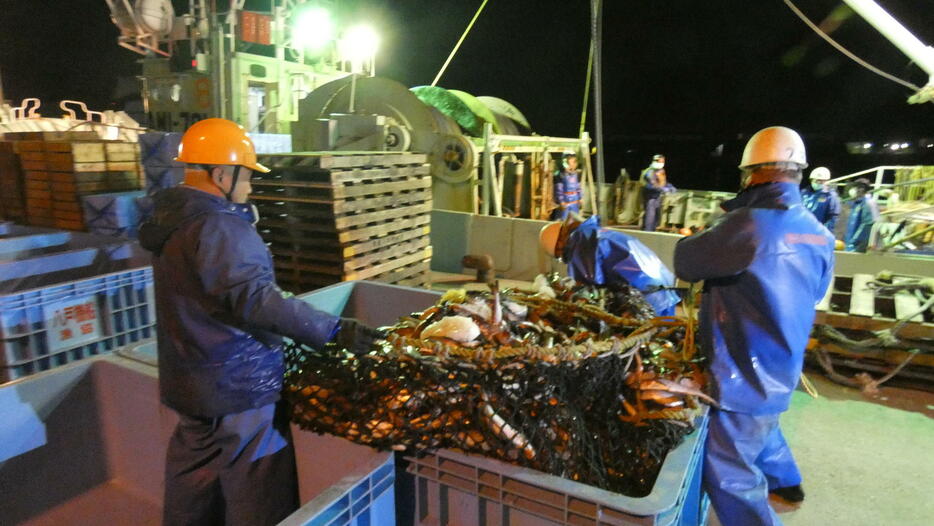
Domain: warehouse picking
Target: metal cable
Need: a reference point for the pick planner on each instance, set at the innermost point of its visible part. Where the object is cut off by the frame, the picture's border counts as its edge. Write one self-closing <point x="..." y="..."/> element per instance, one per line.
<point x="845" y="51"/>
<point x="459" y="42"/>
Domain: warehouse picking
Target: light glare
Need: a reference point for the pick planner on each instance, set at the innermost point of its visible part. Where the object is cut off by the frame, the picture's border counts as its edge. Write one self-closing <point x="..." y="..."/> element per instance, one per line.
<point x="359" y="43"/>
<point x="312" y="28"/>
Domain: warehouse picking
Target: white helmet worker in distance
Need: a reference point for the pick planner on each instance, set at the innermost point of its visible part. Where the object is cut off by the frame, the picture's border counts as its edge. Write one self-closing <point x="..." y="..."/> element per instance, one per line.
<point x="820" y="173"/>
<point x="773" y="154"/>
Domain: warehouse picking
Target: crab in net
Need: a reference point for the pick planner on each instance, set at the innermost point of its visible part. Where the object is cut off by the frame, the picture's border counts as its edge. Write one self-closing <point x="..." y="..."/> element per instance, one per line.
<point x="545" y="378"/>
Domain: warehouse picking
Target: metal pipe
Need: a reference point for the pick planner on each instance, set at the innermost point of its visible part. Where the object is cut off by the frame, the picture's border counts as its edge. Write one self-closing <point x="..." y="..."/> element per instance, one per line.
<point x="519" y="166"/>
<point x="897" y="34"/>
<point x="487" y="151"/>
<point x="597" y="34"/>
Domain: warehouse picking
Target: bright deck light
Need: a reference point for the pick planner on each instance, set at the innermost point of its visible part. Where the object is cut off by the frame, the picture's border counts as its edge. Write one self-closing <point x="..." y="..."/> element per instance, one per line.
<point x="312" y="28"/>
<point x="359" y="44"/>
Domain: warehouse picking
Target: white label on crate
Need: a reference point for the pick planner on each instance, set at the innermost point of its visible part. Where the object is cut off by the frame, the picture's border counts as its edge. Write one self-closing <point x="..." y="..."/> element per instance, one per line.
<point x="71" y="323"/>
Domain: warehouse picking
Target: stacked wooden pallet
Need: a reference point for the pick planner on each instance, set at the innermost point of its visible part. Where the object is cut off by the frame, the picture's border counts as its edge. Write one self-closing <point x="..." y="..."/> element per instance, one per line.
<point x="12" y="197"/>
<point x="861" y="312"/>
<point x="331" y="217"/>
<point x="58" y="173"/>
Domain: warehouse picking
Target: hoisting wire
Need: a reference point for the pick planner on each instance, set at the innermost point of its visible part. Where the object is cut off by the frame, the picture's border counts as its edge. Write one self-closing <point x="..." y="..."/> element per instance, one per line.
<point x="459" y="42"/>
<point x="845" y="51"/>
<point x="580" y="132"/>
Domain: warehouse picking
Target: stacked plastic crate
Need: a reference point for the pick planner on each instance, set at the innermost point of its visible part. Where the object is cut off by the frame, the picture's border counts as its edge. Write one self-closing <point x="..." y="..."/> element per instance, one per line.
<point x="331" y="217"/>
<point x="161" y="170"/>
<point x="65" y="296"/>
<point x="58" y="173"/>
<point x="12" y="198"/>
<point x="114" y="214"/>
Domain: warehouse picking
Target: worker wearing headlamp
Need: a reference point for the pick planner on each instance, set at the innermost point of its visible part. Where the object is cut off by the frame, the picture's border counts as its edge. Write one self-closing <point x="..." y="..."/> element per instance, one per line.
<point x="221" y="365"/>
<point x="766" y="263"/>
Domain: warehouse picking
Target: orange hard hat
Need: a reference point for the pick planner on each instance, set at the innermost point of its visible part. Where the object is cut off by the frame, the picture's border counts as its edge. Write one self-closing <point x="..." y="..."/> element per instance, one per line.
<point x="548" y="238"/>
<point x="218" y="141"/>
<point x="776" y="144"/>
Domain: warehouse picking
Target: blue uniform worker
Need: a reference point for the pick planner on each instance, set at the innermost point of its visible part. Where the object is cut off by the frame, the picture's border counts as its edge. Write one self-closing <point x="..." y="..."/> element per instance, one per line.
<point x="656" y="184"/>
<point x="766" y="264"/>
<point x="567" y="189"/>
<point x="863" y="213"/>
<point x="230" y="460"/>
<point x="821" y="199"/>
<point x="599" y="256"/>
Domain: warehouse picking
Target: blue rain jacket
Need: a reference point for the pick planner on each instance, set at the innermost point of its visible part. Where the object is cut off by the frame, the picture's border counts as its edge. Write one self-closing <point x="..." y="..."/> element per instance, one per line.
<point x="863" y="213"/>
<point x="219" y="309"/>
<point x="824" y="204"/>
<point x="599" y="256"/>
<point x="653" y="185"/>
<point x="766" y="264"/>
<point x="567" y="194"/>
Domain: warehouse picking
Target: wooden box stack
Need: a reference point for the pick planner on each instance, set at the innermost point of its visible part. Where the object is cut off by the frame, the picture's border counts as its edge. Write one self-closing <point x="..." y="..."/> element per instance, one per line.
<point x="331" y="217"/>
<point x="58" y="173"/>
<point x="12" y="196"/>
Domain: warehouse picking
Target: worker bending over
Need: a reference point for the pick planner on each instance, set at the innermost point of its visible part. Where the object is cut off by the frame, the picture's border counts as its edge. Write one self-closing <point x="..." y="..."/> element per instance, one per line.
<point x="600" y="256"/>
<point x="766" y="264"/>
<point x="230" y="460"/>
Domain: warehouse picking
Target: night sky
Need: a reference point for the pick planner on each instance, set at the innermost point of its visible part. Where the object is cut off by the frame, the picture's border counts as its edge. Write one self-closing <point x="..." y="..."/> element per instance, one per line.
<point x="689" y="78"/>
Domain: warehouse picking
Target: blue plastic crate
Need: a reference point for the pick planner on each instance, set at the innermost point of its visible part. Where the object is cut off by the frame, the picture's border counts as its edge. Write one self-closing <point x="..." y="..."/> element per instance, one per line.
<point x="47" y="327"/>
<point x="112" y="214"/>
<point x="161" y="177"/>
<point x="159" y="148"/>
<point x="369" y="502"/>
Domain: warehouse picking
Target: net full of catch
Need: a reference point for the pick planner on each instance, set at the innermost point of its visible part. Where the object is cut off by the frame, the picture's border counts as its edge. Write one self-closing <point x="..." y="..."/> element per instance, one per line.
<point x="575" y="381"/>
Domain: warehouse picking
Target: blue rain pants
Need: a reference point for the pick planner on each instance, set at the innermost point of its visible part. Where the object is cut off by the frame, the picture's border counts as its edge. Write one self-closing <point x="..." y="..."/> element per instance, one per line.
<point x="237" y="469"/>
<point x="653" y="207"/>
<point x="746" y="456"/>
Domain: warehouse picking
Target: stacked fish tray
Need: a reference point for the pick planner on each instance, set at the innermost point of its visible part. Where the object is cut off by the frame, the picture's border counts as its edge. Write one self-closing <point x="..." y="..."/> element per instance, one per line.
<point x="331" y="217"/>
<point x="12" y="198"/>
<point x="58" y="173"/>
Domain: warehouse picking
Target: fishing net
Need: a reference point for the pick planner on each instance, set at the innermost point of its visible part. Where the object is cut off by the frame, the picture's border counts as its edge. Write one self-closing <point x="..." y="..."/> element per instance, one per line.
<point x="549" y="381"/>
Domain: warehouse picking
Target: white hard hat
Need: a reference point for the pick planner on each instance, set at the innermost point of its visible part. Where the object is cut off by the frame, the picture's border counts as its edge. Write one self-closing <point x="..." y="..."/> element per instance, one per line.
<point x="776" y="144"/>
<point x="820" y="173"/>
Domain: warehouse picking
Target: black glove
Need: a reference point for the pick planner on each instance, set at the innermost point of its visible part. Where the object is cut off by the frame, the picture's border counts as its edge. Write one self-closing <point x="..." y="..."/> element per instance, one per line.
<point x="357" y="337"/>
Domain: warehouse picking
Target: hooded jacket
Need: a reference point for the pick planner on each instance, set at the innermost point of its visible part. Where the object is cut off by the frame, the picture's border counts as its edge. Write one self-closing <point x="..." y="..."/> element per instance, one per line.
<point x="220" y="311"/>
<point x="766" y="263"/>
<point x="599" y="256"/>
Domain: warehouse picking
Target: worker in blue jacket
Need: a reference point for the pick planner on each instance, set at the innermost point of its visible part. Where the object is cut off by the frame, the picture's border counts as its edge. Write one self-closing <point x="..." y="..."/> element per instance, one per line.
<point x="863" y="213"/>
<point x="221" y="366"/>
<point x="567" y="188"/>
<point x="765" y="264"/>
<point x="600" y="256"/>
<point x="821" y="199"/>
<point x="656" y="184"/>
